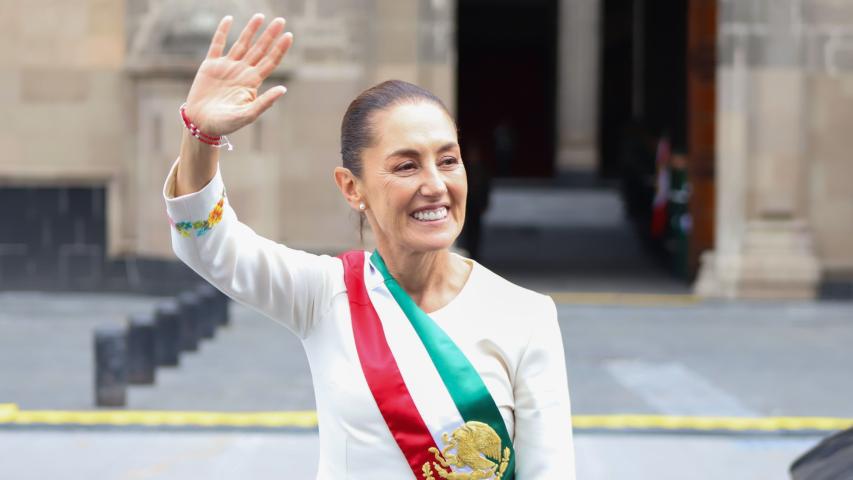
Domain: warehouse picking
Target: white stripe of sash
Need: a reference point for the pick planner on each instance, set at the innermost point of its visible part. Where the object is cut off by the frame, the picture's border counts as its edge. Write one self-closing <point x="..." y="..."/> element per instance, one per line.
<point x="419" y="373"/>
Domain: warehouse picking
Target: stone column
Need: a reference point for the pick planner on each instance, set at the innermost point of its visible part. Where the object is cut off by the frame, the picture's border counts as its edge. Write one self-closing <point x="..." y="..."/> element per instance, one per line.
<point x="763" y="244"/>
<point x="577" y="87"/>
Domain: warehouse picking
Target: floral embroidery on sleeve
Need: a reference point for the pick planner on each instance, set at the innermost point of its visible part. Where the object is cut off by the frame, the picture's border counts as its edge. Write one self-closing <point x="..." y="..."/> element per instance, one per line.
<point x="201" y="226"/>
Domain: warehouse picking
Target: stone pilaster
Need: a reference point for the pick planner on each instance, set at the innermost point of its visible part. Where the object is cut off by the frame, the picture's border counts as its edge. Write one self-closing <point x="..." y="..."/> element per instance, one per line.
<point x="577" y="64"/>
<point x="764" y="245"/>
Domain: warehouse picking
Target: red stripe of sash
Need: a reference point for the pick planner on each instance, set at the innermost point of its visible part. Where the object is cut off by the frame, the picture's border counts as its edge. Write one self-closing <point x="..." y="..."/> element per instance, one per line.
<point x="381" y="371"/>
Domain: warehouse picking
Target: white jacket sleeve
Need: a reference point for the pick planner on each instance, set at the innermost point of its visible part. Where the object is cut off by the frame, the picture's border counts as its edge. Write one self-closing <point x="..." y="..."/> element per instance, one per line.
<point x="290" y="286"/>
<point x="543" y="430"/>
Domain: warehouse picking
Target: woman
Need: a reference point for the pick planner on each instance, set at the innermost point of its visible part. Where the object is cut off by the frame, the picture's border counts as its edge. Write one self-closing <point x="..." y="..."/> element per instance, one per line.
<point x="424" y="363"/>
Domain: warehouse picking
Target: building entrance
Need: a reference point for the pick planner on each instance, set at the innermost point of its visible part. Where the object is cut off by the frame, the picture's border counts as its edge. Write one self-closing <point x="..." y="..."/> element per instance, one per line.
<point x="506" y="84"/>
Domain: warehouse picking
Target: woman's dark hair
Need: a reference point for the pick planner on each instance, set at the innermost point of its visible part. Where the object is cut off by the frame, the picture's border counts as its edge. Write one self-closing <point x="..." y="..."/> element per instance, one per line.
<point x="357" y="127"/>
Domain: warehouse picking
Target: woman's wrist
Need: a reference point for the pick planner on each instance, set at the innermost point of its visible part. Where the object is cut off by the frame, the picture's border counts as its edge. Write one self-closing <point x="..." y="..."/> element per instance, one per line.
<point x="197" y="165"/>
<point x="202" y="134"/>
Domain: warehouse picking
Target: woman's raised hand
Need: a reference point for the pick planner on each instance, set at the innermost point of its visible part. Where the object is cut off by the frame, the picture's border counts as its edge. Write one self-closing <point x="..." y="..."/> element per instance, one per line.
<point x="224" y="95"/>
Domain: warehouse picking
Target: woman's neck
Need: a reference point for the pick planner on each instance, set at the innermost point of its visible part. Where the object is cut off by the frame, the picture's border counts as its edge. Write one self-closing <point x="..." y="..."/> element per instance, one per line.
<point x="432" y="278"/>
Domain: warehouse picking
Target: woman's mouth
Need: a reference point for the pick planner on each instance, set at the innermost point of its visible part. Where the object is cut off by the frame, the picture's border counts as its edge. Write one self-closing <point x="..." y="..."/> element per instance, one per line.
<point x="433" y="215"/>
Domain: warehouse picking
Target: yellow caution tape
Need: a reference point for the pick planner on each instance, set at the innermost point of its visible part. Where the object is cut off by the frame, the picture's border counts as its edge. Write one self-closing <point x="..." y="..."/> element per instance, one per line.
<point x="8" y="412"/>
<point x="642" y="299"/>
<point x="698" y="423"/>
<point x="11" y="415"/>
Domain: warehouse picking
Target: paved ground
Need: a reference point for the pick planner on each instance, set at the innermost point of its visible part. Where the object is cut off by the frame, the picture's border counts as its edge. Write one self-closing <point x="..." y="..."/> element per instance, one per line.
<point x="576" y="240"/>
<point x="734" y="359"/>
<point x="738" y="359"/>
<point x="126" y="455"/>
<point x="47" y="347"/>
<point x="744" y="358"/>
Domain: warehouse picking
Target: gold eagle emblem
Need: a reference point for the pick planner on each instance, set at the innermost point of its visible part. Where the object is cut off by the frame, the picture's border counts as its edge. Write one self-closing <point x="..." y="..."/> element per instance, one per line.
<point x="477" y="446"/>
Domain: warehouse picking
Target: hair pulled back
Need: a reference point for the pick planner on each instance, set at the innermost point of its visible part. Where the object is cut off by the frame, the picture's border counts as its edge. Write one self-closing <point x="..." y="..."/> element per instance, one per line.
<point x="357" y="131"/>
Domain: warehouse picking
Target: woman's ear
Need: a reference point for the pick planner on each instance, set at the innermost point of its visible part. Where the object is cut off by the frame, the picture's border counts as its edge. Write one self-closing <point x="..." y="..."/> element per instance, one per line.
<point x="348" y="185"/>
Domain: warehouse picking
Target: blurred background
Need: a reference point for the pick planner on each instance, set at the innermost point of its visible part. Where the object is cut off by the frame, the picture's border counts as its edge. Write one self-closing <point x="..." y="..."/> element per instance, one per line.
<point x="675" y="173"/>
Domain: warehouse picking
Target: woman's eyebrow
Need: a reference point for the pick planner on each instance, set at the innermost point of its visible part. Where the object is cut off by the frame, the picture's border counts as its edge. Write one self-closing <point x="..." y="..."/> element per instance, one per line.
<point x="411" y="152"/>
<point x="404" y="152"/>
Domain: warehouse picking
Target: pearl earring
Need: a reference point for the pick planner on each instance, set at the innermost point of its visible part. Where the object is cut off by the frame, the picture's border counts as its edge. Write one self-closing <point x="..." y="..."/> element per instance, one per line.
<point x="361" y="206"/>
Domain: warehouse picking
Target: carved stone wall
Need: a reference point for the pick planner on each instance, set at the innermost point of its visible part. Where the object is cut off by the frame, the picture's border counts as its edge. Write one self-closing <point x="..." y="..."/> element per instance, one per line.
<point x="783" y="80"/>
<point x="90" y="91"/>
<point x="62" y="138"/>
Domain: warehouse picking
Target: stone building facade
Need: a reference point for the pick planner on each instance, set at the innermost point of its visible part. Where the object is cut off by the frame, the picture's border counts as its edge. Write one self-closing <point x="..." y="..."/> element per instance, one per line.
<point x="774" y="197"/>
<point x="90" y="96"/>
<point x="784" y="201"/>
<point x="90" y="91"/>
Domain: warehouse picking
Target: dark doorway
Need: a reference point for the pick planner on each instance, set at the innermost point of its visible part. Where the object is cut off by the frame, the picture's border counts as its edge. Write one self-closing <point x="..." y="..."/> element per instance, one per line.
<point x="658" y="79"/>
<point x="506" y="81"/>
<point x="644" y="78"/>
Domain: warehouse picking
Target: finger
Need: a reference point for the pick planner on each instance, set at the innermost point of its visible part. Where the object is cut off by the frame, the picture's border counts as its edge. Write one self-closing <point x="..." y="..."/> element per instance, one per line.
<point x="242" y="45"/>
<point x="217" y="44"/>
<point x="263" y="44"/>
<point x="274" y="56"/>
<point x="265" y="101"/>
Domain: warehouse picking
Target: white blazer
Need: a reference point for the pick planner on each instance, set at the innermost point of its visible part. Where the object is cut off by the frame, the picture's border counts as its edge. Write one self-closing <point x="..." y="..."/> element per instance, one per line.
<point x="508" y="333"/>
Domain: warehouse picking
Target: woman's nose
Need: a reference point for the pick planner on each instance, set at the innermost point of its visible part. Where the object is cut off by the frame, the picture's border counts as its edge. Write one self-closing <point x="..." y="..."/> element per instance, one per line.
<point x="433" y="183"/>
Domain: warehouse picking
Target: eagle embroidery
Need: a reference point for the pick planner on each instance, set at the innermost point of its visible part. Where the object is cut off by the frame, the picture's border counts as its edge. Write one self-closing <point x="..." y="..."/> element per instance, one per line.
<point x="477" y="446"/>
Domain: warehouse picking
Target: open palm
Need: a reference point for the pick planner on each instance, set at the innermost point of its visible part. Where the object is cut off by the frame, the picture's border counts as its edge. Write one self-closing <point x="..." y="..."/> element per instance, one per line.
<point x="224" y="95"/>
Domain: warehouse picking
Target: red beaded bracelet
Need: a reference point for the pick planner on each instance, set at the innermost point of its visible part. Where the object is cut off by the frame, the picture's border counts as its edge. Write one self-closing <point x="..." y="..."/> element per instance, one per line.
<point x="218" y="142"/>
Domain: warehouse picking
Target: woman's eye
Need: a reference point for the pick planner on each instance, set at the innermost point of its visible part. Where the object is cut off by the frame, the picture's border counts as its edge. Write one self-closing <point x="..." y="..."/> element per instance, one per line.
<point x="448" y="160"/>
<point x="406" y="166"/>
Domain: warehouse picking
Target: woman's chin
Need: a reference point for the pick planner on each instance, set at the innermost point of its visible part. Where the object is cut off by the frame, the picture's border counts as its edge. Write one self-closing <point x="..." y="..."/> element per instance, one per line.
<point x="430" y="243"/>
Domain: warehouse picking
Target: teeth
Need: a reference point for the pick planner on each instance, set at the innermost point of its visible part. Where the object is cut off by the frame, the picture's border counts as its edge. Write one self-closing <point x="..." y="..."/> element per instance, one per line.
<point x="427" y="215"/>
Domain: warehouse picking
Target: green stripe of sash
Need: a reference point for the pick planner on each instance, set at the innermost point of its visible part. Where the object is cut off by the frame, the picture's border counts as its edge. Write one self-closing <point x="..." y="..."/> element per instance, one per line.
<point x="462" y="381"/>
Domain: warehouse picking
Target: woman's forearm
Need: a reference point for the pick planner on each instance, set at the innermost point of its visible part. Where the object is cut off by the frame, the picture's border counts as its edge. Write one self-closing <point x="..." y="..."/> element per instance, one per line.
<point x="224" y="95"/>
<point x="197" y="165"/>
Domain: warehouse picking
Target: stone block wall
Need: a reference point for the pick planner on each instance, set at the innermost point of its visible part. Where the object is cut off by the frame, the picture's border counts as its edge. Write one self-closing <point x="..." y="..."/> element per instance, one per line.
<point x="90" y="91"/>
<point x="784" y="81"/>
<point x="62" y="134"/>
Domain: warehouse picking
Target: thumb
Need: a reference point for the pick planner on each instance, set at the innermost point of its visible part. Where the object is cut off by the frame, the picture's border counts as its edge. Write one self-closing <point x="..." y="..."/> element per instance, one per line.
<point x="265" y="101"/>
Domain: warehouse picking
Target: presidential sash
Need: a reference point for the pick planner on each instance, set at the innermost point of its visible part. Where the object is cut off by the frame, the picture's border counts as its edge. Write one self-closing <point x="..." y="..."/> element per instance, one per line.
<point x="443" y="417"/>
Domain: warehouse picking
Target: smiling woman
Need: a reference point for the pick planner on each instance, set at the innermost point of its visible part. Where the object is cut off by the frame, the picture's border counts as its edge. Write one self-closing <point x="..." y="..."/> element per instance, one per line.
<point x="425" y="363"/>
<point x="410" y="177"/>
<point x="403" y="110"/>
